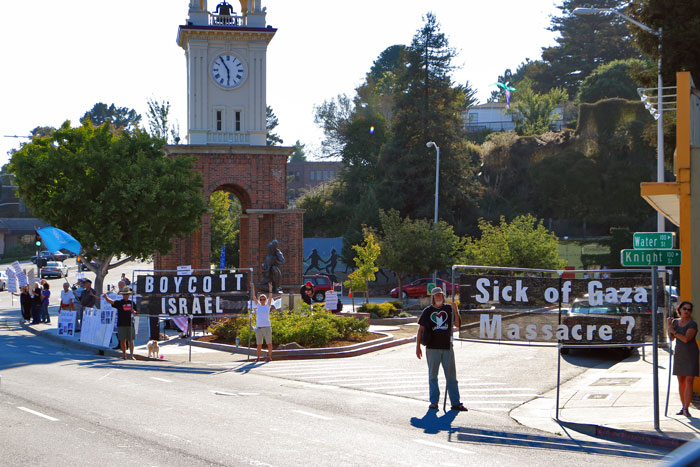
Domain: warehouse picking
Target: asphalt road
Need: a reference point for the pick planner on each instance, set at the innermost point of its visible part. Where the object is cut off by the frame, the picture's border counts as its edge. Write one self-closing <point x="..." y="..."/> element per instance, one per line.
<point x="64" y="407"/>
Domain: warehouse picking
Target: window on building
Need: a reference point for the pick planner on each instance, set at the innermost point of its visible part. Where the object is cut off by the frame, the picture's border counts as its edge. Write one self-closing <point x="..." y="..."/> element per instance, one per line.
<point x="331" y="174"/>
<point x="326" y="175"/>
<point x="319" y="175"/>
<point x="311" y="175"/>
<point x="297" y="176"/>
<point x="219" y="120"/>
<point x="473" y="117"/>
<point x="238" y="120"/>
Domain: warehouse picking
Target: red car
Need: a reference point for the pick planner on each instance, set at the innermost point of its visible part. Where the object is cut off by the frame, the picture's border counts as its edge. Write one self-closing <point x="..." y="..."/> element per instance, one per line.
<point x="419" y="288"/>
<point x="320" y="284"/>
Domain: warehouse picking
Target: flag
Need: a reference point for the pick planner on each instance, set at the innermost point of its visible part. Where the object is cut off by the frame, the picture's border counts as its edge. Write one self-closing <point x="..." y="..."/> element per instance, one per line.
<point x="56" y="239"/>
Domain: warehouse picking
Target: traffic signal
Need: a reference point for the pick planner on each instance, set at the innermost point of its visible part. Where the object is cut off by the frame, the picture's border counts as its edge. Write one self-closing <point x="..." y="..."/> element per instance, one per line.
<point x="37" y="239"/>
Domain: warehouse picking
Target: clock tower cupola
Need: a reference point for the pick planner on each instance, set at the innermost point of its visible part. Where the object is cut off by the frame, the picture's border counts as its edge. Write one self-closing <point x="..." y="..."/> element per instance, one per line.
<point x="226" y="54"/>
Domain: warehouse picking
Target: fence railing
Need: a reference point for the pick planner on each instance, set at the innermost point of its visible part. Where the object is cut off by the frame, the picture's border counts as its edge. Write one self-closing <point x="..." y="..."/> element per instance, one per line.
<point x="227" y="137"/>
<point x="226" y="20"/>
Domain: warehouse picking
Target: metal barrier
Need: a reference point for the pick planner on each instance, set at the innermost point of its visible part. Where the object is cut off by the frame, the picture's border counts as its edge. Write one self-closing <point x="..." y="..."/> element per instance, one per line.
<point x="554" y="275"/>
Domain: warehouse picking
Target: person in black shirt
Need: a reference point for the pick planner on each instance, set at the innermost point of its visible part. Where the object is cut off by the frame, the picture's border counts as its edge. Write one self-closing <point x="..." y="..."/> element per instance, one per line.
<point x="439" y="318"/>
<point x="36" y="304"/>
<point x="307" y="291"/>
<point x="25" y="301"/>
<point x="125" y="329"/>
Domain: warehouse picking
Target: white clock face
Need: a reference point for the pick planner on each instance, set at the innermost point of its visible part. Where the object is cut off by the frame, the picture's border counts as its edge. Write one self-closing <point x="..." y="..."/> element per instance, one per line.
<point x="228" y="71"/>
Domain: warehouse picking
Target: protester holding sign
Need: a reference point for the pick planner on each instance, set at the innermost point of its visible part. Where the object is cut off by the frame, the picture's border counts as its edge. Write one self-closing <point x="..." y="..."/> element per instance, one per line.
<point x="88" y="297"/>
<point x="66" y="298"/>
<point x="125" y="329"/>
<point x="263" y="327"/>
<point x="437" y="321"/>
<point x="36" y="304"/>
<point x="25" y="301"/>
<point x="45" y="295"/>
<point x="686" y="363"/>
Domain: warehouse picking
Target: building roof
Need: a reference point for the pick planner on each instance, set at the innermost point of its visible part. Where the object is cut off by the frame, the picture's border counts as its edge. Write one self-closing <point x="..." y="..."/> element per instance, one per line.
<point x="20" y="225"/>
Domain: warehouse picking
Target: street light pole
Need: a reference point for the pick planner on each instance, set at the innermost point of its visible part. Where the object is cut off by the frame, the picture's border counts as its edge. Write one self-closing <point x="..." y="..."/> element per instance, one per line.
<point x="660" y="222"/>
<point x="437" y="187"/>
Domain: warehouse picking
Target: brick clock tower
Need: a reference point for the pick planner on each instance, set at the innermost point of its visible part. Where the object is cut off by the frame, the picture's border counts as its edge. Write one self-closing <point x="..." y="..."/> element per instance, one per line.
<point x="226" y="114"/>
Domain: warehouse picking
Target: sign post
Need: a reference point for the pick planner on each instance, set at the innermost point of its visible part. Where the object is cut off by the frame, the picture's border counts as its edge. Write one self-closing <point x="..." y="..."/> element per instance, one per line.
<point x="653" y="249"/>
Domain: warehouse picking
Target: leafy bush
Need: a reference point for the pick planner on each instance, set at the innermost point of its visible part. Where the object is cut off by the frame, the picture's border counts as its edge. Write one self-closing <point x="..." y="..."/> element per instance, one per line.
<point x="381" y="310"/>
<point x="301" y="326"/>
<point x="398" y="304"/>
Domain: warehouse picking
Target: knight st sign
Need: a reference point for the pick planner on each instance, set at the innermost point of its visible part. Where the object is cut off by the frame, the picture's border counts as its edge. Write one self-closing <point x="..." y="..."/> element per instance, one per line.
<point x="650" y="258"/>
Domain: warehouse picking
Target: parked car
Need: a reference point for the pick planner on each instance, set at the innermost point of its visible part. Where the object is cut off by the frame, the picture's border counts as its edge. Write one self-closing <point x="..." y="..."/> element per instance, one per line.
<point x="82" y="267"/>
<point x="321" y="284"/>
<point x="584" y="314"/>
<point x="419" y="288"/>
<point x="54" y="269"/>
<point x="48" y="256"/>
<point x="3" y="280"/>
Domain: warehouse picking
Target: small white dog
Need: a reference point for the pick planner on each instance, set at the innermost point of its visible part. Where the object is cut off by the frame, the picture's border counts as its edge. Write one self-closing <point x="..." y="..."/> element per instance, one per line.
<point x="153" y="349"/>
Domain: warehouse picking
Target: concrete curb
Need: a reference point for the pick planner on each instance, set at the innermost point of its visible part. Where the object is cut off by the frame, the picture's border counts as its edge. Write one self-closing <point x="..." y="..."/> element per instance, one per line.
<point x="302" y="354"/>
<point x="601" y="431"/>
<point x="80" y="345"/>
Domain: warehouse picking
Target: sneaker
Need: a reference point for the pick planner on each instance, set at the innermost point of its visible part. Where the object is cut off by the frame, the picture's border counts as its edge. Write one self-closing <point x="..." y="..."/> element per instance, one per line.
<point x="686" y="412"/>
<point x="433" y="406"/>
<point x="459" y="408"/>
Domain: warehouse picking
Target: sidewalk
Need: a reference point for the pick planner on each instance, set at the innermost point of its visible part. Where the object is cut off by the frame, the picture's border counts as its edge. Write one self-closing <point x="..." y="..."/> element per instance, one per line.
<point x="178" y="350"/>
<point x="616" y="403"/>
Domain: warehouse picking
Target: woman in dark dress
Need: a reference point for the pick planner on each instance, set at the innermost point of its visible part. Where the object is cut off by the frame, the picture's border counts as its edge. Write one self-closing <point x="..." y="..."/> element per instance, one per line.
<point x="686" y="364"/>
<point x="25" y="301"/>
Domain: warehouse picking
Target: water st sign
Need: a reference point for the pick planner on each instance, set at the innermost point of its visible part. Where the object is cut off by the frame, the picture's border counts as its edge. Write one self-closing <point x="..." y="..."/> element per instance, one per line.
<point x="650" y="258"/>
<point x="653" y="240"/>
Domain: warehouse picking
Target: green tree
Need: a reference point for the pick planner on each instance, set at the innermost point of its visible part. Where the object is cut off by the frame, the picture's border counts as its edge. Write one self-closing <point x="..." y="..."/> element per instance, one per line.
<point x="522" y="243"/>
<point x="114" y="191"/>
<point x="534" y="113"/>
<point x="120" y="117"/>
<point x="365" y="260"/>
<point x="614" y="79"/>
<point x="299" y="155"/>
<point x="225" y="227"/>
<point x="271" y="123"/>
<point x="586" y="42"/>
<point x="415" y="246"/>
<point x="681" y="34"/>
<point x="159" y="126"/>
<point x="428" y="107"/>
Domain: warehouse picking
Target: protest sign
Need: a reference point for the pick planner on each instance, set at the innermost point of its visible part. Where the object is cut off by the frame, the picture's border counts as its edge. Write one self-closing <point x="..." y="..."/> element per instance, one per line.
<point x="66" y="322"/>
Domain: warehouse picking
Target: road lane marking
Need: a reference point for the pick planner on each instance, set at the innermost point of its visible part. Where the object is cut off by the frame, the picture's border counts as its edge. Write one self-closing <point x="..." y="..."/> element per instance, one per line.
<point x="222" y="393"/>
<point x="38" y="414"/>
<point x="309" y="414"/>
<point x="161" y="379"/>
<point x="442" y="446"/>
<point x="36" y="353"/>
<point x="249" y="394"/>
<point x="34" y="346"/>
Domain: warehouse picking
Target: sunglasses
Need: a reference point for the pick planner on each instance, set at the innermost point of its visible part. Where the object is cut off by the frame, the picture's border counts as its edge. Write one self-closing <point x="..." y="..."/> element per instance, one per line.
<point x="687" y="308"/>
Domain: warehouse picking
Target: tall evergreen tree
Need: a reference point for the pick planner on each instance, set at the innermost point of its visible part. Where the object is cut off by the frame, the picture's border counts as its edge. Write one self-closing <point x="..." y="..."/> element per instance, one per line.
<point x="681" y="34"/>
<point x="428" y="106"/>
<point x="586" y="42"/>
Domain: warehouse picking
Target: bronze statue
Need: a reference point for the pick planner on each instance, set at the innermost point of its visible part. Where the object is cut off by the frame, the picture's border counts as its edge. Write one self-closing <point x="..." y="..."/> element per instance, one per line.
<point x="271" y="273"/>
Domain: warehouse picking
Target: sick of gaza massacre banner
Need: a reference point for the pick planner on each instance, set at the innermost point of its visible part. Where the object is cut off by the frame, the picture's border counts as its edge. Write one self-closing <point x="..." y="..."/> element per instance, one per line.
<point x="593" y="311"/>
<point x="196" y="294"/>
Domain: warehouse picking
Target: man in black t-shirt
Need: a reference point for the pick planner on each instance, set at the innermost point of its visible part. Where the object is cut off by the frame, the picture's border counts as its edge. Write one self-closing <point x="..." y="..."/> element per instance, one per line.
<point x="439" y="318"/>
<point x="125" y="329"/>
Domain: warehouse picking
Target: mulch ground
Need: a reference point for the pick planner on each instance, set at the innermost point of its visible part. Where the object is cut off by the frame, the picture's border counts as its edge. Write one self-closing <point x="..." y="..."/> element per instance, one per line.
<point x="334" y="343"/>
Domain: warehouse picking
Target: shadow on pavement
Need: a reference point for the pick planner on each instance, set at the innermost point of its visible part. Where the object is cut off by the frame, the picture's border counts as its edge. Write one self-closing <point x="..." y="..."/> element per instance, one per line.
<point x="432" y="424"/>
<point x="520" y="440"/>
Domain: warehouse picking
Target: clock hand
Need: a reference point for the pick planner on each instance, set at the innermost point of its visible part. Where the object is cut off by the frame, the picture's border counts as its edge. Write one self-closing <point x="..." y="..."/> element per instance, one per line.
<point x="228" y="72"/>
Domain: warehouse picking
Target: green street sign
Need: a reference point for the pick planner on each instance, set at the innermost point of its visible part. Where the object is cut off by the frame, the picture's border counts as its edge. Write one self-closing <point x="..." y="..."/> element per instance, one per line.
<point x="650" y="257"/>
<point x="653" y="240"/>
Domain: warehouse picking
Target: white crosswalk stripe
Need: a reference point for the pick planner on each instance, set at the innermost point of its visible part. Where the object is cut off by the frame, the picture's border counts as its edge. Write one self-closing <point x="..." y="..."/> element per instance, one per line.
<point x="482" y="394"/>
